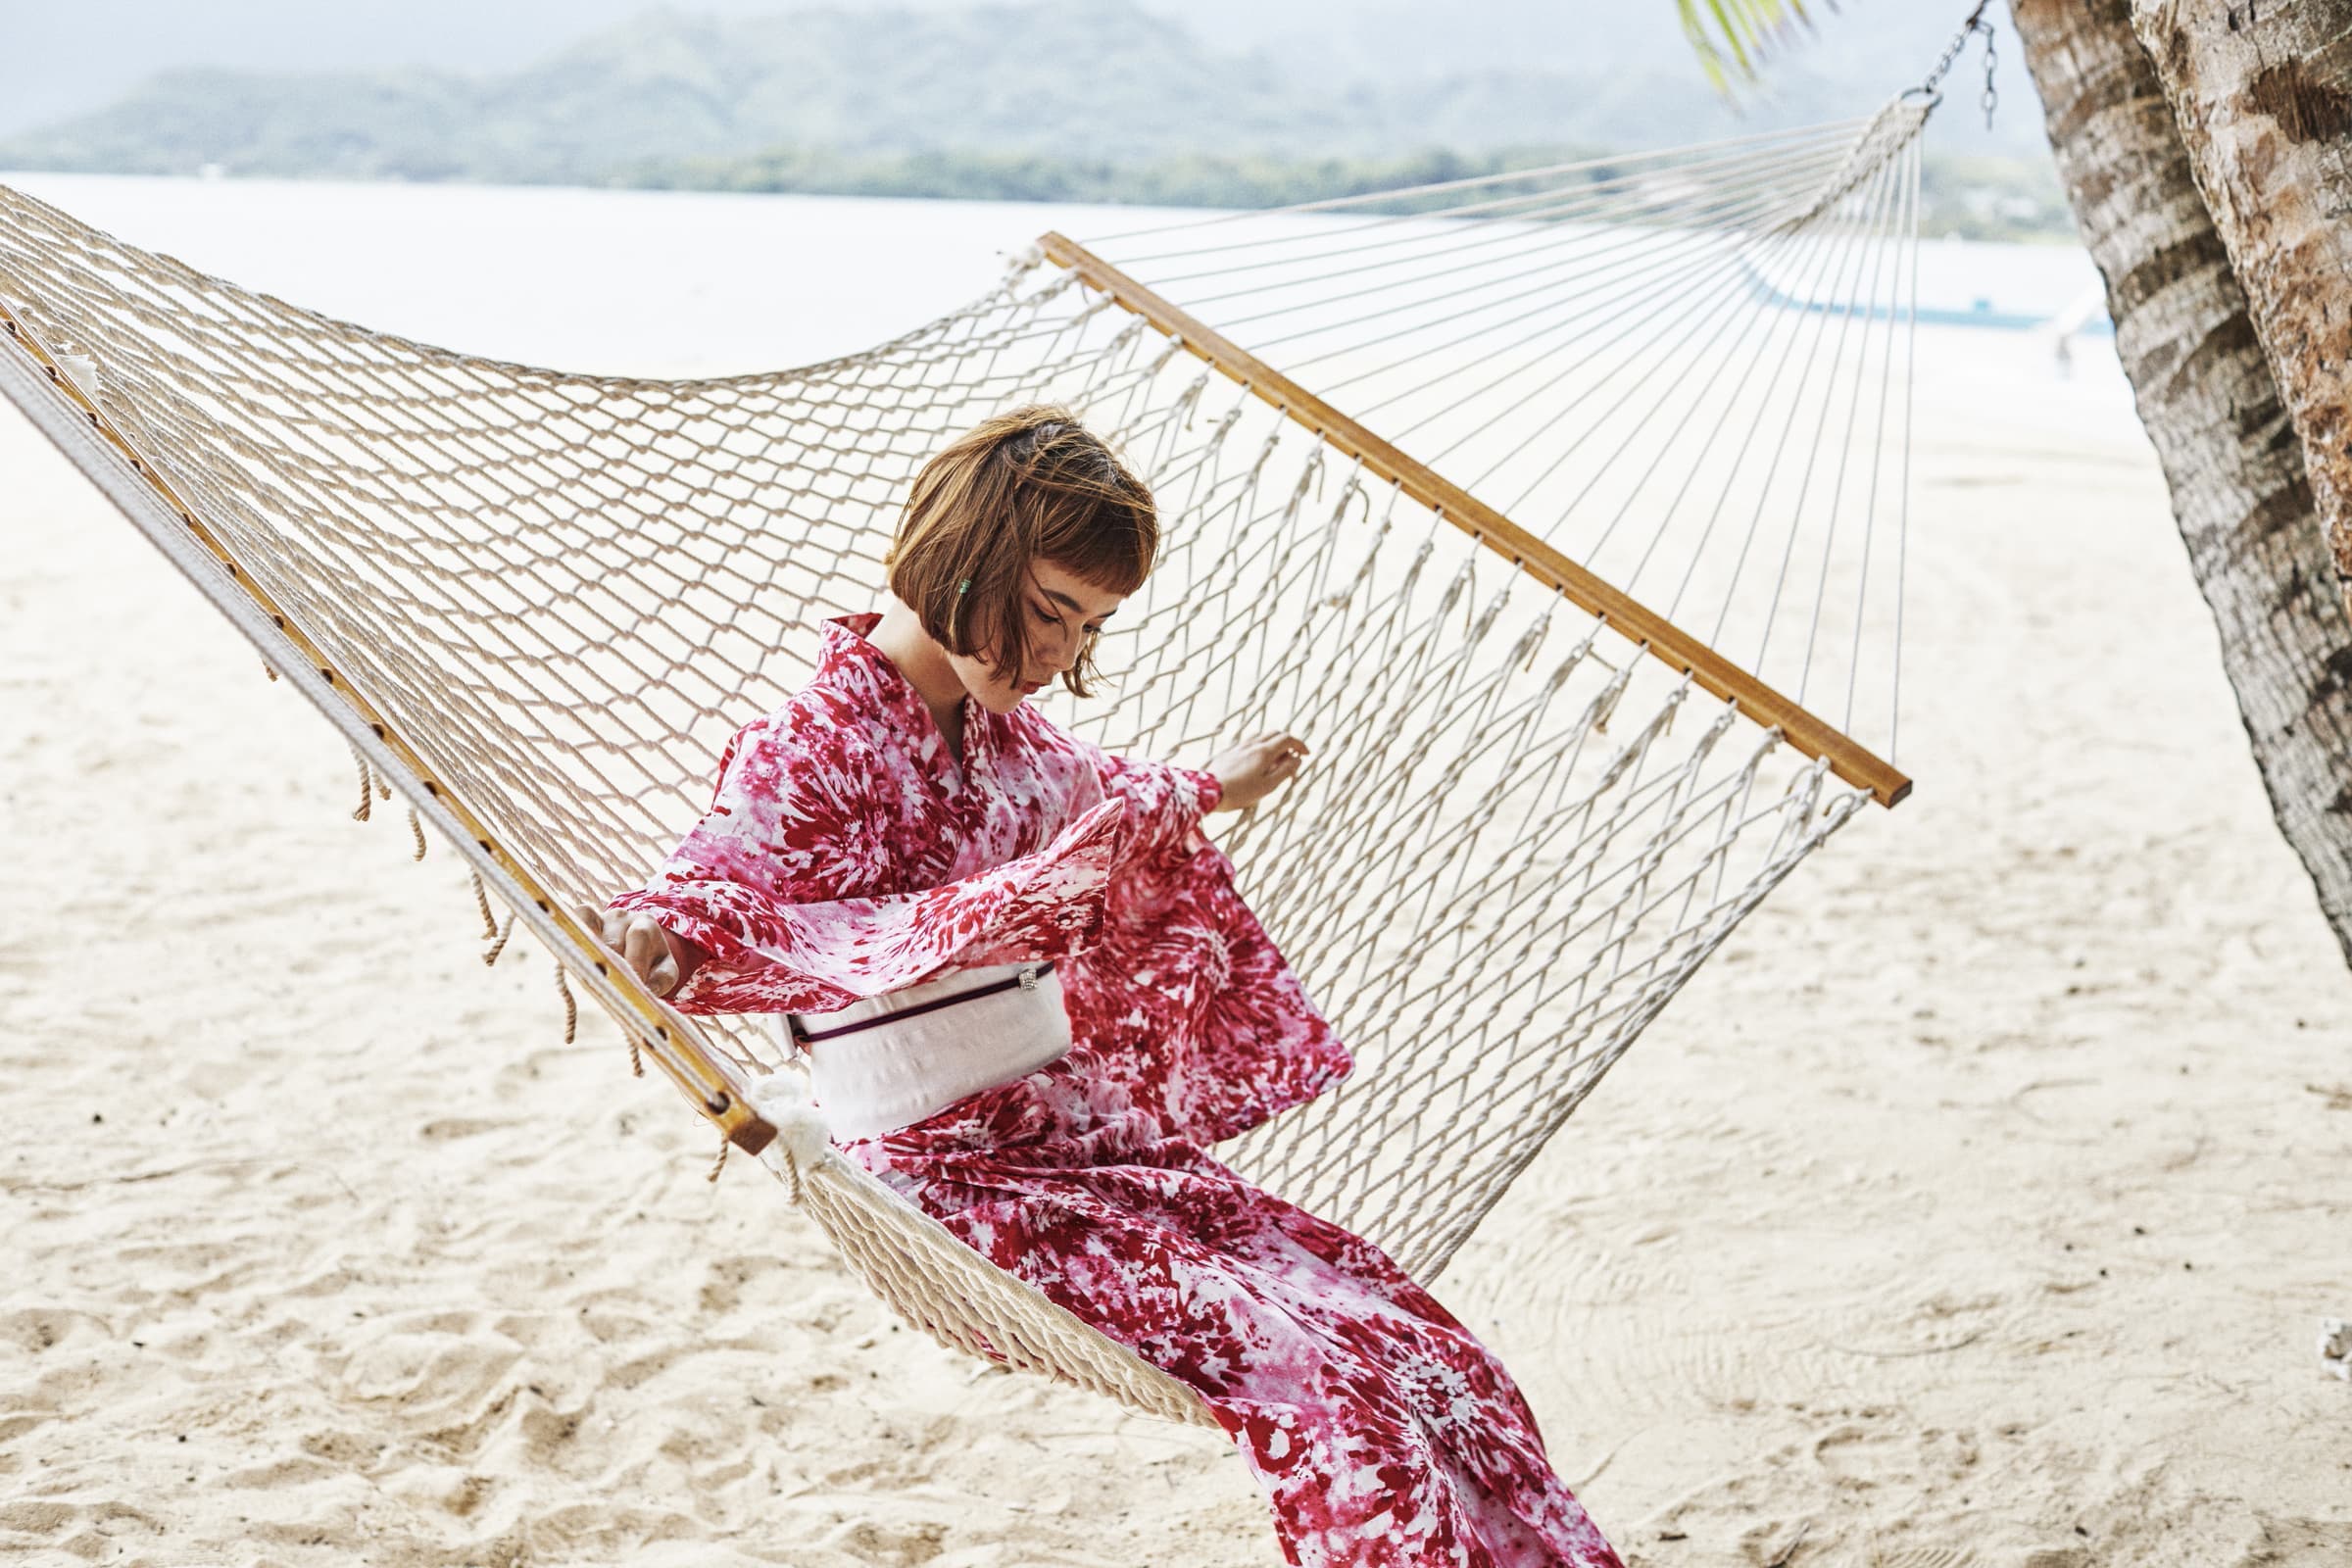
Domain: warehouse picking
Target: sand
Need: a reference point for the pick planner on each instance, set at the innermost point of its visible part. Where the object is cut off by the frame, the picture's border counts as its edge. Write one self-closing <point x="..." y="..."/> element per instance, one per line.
<point x="1978" y="1205"/>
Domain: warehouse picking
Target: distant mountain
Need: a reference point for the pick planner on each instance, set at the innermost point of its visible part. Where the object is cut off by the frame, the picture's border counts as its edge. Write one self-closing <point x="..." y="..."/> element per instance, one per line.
<point x="1101" y="79"/>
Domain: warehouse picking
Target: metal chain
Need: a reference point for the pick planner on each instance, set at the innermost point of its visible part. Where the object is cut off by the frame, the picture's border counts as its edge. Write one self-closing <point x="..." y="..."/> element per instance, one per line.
<point x="1975" y="24"/>
<point x="1990" y="96"/>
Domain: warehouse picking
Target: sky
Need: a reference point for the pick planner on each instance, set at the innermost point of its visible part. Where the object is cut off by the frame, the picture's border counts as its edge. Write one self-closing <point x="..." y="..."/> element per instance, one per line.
<point x="75" y="57"/>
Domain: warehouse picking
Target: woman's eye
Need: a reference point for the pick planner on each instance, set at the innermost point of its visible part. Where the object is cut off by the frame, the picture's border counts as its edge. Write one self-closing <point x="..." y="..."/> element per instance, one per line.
<point x="1052" y="620"/>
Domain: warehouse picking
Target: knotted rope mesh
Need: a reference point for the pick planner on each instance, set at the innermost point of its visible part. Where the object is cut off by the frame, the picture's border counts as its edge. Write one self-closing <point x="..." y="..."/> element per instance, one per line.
<point x="1518" y="834"/>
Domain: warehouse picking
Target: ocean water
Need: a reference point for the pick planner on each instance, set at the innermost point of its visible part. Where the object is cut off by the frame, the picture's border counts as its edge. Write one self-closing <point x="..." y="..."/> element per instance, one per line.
<point x="693" y="282"/>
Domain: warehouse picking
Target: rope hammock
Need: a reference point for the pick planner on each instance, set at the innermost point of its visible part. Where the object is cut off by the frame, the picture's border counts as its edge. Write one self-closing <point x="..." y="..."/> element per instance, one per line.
<point x="1597" y="637"/>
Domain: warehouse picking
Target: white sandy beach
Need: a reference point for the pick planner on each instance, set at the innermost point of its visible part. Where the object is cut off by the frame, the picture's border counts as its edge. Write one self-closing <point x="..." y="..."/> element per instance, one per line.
<point x="1976" y="1205"/>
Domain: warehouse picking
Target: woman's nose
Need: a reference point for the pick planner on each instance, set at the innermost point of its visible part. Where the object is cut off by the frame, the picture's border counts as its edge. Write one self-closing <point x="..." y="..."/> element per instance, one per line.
<point x="1048" y="653"/>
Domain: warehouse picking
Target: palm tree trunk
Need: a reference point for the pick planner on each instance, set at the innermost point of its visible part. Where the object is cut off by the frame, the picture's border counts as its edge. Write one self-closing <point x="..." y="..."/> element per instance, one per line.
<point x="2262" y="93"/>
<point x="2212" y="408"/>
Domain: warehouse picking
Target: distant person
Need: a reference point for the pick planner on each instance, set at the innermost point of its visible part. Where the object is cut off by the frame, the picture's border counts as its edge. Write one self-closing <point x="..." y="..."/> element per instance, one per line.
<point x="1032" y="999"/>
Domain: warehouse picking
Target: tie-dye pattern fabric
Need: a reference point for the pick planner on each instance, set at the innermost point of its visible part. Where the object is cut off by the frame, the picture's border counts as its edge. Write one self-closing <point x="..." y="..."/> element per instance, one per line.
<point x="847" y="853"/>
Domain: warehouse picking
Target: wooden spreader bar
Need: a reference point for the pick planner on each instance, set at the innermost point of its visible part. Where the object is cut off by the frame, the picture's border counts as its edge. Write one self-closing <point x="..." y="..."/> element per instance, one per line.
<point x="1806" y="731"/>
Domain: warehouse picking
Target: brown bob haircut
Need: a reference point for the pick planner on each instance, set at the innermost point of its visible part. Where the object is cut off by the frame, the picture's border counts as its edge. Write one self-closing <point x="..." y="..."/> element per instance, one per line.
<point x="1030" y="484"/>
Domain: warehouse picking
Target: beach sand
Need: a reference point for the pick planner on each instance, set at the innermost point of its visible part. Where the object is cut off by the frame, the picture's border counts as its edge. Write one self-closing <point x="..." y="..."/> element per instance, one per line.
<point x="1977" y="1204"/>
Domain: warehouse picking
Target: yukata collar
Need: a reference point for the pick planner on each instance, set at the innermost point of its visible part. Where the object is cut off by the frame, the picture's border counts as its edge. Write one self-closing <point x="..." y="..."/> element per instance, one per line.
<point x="846" y="658"/>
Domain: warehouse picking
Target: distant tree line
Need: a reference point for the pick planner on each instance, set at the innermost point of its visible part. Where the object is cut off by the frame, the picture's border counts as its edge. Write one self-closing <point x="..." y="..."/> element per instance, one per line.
<point x="1973" y="197"/>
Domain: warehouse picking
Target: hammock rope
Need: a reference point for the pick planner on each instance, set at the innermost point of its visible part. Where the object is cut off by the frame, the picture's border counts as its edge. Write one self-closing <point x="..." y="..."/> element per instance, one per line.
<point x="538" y="603"/>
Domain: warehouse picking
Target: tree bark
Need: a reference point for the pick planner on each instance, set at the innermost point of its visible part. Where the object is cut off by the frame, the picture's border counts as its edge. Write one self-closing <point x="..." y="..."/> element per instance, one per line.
<point x="2262" y="93"/>
<point x="2212" y="408"/>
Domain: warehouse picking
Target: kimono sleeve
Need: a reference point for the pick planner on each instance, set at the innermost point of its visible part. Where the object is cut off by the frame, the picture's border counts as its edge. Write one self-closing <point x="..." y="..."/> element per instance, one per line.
<point x="1164" y="801"/>
<point x="1185" y="1001"/>
<point x="779" y="885"/>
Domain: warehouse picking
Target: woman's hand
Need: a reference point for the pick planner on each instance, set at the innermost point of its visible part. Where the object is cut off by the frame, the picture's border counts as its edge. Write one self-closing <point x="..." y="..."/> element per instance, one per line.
<point x="1253" y="769"/>
<point x="659" y="956"/>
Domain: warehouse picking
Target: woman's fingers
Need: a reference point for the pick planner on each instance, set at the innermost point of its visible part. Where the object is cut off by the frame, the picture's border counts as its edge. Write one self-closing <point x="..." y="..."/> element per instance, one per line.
<point x="1253" y="767"/>
<point x="597" y="922"/>
<point x="650" y="954"/>
<point x="638" y="939"/>
<point x="643" y="947"/>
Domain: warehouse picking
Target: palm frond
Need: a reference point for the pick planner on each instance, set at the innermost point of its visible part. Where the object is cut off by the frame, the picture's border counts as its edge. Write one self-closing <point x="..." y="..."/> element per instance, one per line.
<point x="1733" y="36"/>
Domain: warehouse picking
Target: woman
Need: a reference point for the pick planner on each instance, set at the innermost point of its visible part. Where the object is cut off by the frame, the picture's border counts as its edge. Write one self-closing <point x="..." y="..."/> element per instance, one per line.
<point x="904" y="823"/>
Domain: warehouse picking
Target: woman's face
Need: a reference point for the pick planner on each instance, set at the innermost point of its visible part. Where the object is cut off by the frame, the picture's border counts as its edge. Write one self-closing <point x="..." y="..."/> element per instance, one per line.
<point x="1061" y="612"/>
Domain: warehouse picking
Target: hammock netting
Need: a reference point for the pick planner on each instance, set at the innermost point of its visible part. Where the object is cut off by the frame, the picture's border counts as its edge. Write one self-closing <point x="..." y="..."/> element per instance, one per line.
<point x="538" y="603"/>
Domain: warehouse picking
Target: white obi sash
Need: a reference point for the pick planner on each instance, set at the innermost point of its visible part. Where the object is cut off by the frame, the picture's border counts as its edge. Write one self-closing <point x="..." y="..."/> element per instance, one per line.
<point x="886" y="1063"/>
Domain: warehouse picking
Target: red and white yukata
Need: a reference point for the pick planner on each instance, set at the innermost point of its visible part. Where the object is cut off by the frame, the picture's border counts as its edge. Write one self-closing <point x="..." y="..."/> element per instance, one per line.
<point x="847" y="853"/>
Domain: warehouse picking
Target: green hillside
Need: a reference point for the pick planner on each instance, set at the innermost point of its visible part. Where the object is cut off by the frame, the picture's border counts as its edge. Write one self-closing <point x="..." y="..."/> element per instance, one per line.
<point x="1075" y="100"/>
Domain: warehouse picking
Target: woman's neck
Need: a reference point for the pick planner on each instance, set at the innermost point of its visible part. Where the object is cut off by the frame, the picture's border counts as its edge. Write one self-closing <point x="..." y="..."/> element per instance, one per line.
<point x="900" y="636"/>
